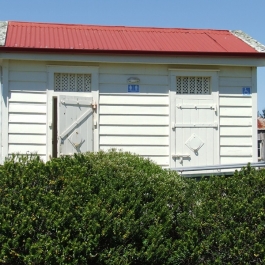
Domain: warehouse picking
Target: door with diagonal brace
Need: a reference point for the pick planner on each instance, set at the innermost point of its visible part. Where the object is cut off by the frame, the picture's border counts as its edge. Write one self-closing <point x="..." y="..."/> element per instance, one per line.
<point x="75" y="125"/>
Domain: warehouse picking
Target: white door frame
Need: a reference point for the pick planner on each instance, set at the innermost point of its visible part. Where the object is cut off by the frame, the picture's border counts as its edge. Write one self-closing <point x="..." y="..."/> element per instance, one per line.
<point x="93" y="70"/>
<point x="173" y="74"/>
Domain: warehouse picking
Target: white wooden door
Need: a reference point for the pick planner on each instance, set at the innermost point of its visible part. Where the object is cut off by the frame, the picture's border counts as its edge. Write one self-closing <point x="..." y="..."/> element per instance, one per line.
<point x="75" y="124"/>
<point x="196" y="131"/>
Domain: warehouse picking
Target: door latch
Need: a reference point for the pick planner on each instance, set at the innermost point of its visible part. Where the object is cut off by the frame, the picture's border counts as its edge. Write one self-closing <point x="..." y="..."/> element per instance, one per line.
<point x="180" y="157"/>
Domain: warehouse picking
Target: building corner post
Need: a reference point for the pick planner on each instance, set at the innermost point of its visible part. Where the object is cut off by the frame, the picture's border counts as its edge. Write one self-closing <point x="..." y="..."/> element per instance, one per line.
<point x="254" y="116"/>
<point x="4" y="111"/>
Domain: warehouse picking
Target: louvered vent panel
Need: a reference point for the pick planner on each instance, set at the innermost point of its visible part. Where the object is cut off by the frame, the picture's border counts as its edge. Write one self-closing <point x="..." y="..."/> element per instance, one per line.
<point x="72" y="82"/>
<point x="193" y="85"/>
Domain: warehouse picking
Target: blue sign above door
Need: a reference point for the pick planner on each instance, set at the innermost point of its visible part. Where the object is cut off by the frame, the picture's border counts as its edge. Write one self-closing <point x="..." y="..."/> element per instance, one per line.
<point x="133" y="88"/>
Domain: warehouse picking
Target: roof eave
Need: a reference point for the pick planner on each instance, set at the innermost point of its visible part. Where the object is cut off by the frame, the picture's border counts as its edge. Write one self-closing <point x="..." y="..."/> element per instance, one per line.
<point x="134" y="52"/>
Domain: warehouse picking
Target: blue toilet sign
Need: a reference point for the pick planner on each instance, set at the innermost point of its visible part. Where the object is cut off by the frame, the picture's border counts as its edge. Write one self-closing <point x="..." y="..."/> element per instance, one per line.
<point x="133" y="88"/>
<point x="246" y="91"/>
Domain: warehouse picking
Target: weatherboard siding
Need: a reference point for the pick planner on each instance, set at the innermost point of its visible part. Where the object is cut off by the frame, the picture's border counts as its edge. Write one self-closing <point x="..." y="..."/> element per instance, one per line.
<point x="27" y="108"/>
<point x="235" y="112"/>
<point x="142" y="129"/>
<point x="135" y="122"/>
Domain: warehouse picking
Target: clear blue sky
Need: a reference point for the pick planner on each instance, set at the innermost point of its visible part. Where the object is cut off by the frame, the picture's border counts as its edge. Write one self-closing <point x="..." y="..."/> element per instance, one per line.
<point x="246" y="15"/>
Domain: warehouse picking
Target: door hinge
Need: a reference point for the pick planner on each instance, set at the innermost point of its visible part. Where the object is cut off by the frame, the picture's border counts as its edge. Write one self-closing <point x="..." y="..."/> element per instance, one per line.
<point x="199" y="106"/>
<point x="195" y="125"/>
<point x="94" y="105"/>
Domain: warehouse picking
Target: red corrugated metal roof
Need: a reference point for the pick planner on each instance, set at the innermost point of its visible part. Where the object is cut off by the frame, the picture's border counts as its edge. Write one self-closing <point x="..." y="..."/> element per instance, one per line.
<point x="27" y="35"/>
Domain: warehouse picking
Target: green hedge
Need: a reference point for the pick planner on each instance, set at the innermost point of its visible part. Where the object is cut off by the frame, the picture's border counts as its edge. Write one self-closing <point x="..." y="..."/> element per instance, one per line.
<point x="117" y="208"/>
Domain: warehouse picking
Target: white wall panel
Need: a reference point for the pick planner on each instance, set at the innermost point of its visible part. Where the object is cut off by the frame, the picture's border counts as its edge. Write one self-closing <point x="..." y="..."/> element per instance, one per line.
<point x="27" y="139"/>
<point x="123" y="88"/>
<point x="24" y="86"/>
<point x="144" y="79"/>
<point x="133" y="120"/>
<point x="141" y="150"/>
<point x="132" y="70"/>
<point x="137" y="110"/>
<point x="134" y="140"/>
<point x="236" y="151"/>
<point x="27" y="128"/>
<point x="22" y="76"/>
<point x="238" y="102"/>
<point x="160" y="160"/>
<point x="236" y="159"/>
<point x="235" y="92"/>
<point x="235" y="121"/>
<point x="23" y="107"/>
<point x="139" y="100"/>
<point x="235" y="111"/>
<point x="27" y="149"/>
<point x="27" y="118"/>
<point x="236" y="141"/>
<point x="235" y="115"/>
<point x="27" y="108"/>
<point x="236" y="131"/>
<point x="133" y="130"/>
<point x="138" y="123"/>
<point x="19" y="96"/>
<point x="27" y="66"/>
<point x="235" y="81"/>
<point x="227" y="72"/>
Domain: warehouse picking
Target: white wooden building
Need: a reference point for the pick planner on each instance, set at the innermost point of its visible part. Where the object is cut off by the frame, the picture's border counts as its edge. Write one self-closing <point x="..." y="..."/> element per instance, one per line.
<point x="181" y="97"/>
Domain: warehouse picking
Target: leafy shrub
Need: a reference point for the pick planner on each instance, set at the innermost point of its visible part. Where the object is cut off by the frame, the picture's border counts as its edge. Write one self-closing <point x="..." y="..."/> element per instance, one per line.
<point x="98" y="208"/>
<point x="118" y="208"/>
<point x="229" y="219"/>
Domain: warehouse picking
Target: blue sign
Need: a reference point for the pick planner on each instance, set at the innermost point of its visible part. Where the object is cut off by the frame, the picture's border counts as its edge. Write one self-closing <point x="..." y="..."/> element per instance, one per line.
<point x="133" y="88"/>
<point x="246" y="91"/>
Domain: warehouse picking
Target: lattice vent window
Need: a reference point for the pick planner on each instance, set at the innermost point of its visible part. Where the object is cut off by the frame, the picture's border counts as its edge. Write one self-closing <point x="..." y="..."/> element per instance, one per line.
<point x="72" y="82"/>
<point x="193" y="85"/>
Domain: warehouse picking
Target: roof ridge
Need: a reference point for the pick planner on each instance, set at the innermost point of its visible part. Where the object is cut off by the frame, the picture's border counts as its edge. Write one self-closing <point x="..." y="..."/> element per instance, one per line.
<point x="3" y="30"/>
<point x="118" y="26"/>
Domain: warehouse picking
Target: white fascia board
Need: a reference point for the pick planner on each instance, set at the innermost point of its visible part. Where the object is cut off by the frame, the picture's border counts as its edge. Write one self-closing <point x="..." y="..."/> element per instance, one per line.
<point x="169" y="60"/>
<point x="3" y="30"/>
<point x="249" y="40"/>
